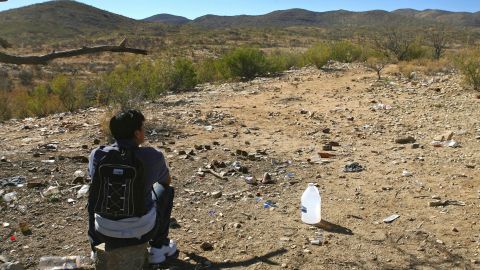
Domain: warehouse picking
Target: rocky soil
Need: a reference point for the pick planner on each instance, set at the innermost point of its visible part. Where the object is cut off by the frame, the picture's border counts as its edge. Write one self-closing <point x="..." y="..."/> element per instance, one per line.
<point x="241" y="155"/>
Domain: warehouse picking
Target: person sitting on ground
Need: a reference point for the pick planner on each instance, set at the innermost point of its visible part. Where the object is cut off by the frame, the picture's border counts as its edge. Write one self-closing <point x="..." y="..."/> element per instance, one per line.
<point x="130" y="199"/>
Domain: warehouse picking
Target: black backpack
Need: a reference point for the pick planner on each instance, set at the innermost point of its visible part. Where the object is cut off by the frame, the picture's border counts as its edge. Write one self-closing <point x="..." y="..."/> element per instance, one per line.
<point x="119" y="186"/>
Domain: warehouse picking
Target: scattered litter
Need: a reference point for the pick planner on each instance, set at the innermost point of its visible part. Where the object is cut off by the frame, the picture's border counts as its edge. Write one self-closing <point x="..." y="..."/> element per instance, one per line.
<point x="17" y="181"/>
<point x="391" y="218"/>
<point x="353" y="167"/>
<point x="450" y="143"/>
<point x="9" y="197"/>
<point x="269" y="204"/>
<point x="50" y="191"/>
<point x="83" y="191"/>
<point x="381" y="106"/>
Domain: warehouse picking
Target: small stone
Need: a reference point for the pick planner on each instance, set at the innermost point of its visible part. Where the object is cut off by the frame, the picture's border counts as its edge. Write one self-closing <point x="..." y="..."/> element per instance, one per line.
<point x="267" y="178"/>
<point x="237" y="225"/>
<point x="84" y="146"/>
<point x="216" y="194"/>
<point x="36" y="154"/>
<point x="284" y="265"/>
<point x="439" y="241"/>
<point x="307" y="251"/>
<point x="96" y="141"/>
<point x="35" y="183"/>
<point x="415" y="146"/>
<point x="81" y="159"/>
<point x="326" y="130"/>
<point x="454" y="229"/>
<point x="206" y="246"/>
<point x="3" y="159"/>
<point x="405" y="140"/>
<point x="78" y="177"/>
<point x="327" y="147"/>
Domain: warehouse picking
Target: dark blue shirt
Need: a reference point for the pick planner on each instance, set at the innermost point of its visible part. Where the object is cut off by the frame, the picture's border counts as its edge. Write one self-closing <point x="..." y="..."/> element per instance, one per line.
<point x="156" y="170"/>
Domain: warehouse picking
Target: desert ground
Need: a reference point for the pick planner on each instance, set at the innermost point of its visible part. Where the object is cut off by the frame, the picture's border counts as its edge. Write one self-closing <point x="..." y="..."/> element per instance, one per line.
<point x="417" y="140"/>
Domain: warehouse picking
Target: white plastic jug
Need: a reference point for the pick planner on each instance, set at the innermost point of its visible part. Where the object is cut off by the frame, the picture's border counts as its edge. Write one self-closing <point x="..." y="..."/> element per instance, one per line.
<point x="311" y="205"/>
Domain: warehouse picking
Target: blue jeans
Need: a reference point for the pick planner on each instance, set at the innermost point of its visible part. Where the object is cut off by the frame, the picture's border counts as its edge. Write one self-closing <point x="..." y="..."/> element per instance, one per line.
<point x="157" y="237"/>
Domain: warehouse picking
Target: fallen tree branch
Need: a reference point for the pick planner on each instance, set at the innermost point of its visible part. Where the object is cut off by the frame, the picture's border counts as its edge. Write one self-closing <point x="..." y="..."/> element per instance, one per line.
<point x="44" y="59"/>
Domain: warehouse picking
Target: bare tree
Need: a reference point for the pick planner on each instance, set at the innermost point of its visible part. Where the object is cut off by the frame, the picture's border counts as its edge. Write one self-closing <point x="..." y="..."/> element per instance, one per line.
<point x="377" y="64"/>
<point x="438" y="39"/>
<point x="44" y="59"/>
<point x="394" y="41"/>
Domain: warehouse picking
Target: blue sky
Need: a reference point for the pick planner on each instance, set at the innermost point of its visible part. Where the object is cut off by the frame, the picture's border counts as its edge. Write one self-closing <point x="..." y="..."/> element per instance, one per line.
<point x="139" y="9"/>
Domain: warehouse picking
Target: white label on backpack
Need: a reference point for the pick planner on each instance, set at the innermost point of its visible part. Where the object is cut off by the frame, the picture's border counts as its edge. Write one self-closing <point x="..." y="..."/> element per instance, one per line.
<point x="118" y="171"/>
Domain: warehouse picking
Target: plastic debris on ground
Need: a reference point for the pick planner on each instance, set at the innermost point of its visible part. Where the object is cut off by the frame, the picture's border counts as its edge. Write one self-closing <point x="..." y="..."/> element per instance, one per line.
<point x="17" y="181"/>
<point x="353" y="167"/>
<point x="391" y="218"/>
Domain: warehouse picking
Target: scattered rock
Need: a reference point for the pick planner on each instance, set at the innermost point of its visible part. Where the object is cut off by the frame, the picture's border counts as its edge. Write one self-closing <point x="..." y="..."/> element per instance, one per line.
<point x="405" y="140"/>
<point x="216" y="194"/>
<point x="267" y="178"/>
<point x="78" y="177"/>
<point x="206" y="246"/>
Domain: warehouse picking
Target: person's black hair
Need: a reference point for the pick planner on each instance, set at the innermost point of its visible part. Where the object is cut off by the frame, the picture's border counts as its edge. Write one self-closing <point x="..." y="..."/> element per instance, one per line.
<point x="124" y="124"/>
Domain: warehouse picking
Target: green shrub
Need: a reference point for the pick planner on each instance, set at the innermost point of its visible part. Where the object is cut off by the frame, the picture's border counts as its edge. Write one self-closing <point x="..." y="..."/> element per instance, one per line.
<point x="41" y="102"/>
<point x="345" y="51"/>
<point x="417" y="51"/>
<point x="245" y="63"/>
<point x="64" y="88"/>
<point x="211" y="70"/>
<point x="318" y="55"/>
<point x="183" y="76"/>
<point x="279" y="61"/>
<point x="469" y="65"/>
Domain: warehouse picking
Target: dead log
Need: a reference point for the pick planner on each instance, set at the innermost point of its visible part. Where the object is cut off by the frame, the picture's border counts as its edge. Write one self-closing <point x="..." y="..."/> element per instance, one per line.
<point x="44" y="59"/>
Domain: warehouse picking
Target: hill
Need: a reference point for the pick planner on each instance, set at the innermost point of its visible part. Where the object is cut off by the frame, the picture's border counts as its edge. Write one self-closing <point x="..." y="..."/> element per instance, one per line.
<point x="167" y="18"/>
<point x="441" y="16"/>
<point x="294" y="17"/>
<point x="60" y="19"/>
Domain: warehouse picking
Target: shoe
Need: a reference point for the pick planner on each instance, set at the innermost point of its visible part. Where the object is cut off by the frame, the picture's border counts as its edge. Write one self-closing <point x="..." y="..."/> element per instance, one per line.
<point x="159" y="255"/>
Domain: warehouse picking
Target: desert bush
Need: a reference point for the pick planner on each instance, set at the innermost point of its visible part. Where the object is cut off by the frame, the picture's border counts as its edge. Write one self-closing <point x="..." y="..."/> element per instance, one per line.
<point x="318" y="55"/>
<point x="41" y="102"/>
<point x="26" y="77"/>
<point x="432" y="66"/>
<point x="279" y="61"/>
<point x="345" y="51"/>
<point x="245" y="63"/>
<point x="64" y="88"/>
<point x="5" y="112"/>
<point x="408" y="69"/>
<point x="182" y="76"/>
<point x="211" y="70"/>
<point x="469" y="65"/>
<point x="5" y="81"/>
<point x="377" y="64"/>
<point x="417" y="51"/>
